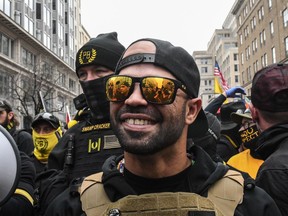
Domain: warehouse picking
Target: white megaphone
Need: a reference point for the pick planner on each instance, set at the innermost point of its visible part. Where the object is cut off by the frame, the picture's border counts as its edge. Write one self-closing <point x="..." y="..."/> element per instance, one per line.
<point x="9" y="165"/>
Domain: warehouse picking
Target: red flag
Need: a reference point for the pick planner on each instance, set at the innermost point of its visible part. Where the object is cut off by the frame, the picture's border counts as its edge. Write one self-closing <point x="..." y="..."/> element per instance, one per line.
<point x="67" y="118"/>
<point x="217" y="72"/>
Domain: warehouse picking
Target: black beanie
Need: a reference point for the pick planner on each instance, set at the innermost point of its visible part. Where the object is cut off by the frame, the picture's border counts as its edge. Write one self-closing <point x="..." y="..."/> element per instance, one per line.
<point x="103" y="50"/>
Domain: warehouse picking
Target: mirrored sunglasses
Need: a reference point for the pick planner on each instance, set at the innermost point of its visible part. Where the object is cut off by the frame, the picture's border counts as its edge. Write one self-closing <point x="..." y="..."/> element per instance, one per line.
<point x="156" y="90"/>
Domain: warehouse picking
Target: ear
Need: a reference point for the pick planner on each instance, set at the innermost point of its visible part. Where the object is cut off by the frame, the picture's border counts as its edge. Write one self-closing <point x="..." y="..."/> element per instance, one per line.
<point x="10" y="115"/>
<point x="193" y="108"/>
<point x="254" y="113"/>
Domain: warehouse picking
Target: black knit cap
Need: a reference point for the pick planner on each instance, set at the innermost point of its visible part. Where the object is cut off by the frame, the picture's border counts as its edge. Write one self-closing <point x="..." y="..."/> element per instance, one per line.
<point x="103" y="50"/>
<point x="181" y="65"/>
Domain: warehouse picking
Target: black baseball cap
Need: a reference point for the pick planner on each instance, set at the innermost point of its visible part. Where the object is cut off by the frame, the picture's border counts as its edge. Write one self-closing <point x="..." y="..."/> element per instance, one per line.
<point x="5" y="106"/>
<point x="270" y="88"/>
<point x="46" y="117"/>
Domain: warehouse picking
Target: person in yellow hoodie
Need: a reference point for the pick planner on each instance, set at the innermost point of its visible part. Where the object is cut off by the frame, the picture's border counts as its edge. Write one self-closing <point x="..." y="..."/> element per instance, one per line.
<point x="246" y="160"/>
<point x="46" y="132"/>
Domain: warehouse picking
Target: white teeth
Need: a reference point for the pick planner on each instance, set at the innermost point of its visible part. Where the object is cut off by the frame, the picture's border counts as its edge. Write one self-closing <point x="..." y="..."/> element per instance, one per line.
<point x="137" y="121"/>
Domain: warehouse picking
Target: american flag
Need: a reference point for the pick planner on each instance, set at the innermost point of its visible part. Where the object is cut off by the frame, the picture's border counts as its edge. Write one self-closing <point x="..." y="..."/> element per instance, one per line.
<point x="217" y="72"/>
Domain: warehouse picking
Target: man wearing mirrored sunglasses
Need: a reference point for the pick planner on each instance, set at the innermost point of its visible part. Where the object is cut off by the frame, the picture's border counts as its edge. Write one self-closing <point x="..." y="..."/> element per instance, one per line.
<point x="10" y="122"/>
<point x="156" y="175"/>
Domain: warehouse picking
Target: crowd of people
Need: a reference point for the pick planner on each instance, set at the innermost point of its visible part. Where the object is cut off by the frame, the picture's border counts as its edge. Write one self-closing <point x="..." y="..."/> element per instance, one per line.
<point x="141" y="143"/>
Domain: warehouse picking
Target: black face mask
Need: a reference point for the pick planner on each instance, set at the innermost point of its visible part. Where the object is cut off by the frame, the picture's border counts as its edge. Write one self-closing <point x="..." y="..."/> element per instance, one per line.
<point x="249" y="137"/>
<point x="94" y="91"/>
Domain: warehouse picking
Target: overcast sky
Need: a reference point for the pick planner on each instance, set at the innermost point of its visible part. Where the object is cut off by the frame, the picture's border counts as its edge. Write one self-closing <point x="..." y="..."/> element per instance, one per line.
<point x="186" y="23"/>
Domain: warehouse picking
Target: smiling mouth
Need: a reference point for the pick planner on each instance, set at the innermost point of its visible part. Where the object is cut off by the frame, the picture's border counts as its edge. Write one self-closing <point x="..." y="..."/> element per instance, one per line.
<point x="138" y="121"/>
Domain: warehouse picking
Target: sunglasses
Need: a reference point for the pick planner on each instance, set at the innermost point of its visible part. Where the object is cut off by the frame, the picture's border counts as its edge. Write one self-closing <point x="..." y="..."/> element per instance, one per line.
<point x="156" y="90"/>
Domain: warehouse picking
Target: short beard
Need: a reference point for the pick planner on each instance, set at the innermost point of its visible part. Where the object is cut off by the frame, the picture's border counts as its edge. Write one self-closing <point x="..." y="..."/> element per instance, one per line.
<point x="142" y="144"/>
<point x="6" y="122"/>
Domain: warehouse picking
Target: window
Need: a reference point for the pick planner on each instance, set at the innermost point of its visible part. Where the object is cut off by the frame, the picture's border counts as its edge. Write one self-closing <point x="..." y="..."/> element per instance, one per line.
<point x="6" y="84"/>
<point x="236" y="78"/>
<point x="266" y="59"/>
<point x="72" y="85"/>
<point x="38" y="11"/>
<point x="249" y="74"/>
<point x="6" y="45"/>
<point x="235" y="56"/>
<point x="47" y="71"/>
<point x="286" y="46"/>
<point x="60" y="103"/>
<point x="62" y="79"/>
<point x="256" y="41"/>
<point x="47" y="16"/>
<point x="66" y="18"/>
<point x="47" y="40"/>
<point x="204" y="69"/>
<point x="236" y="68"/>
<point x="285" y="17"/>
<point x="54" y="4"/>
<point x="27" y="58"/>
<point x="271" y="28"/>
<point x="257" y="65"/>
<point x="5" y="5"/>
<point x="273" y="55"/>
<point x="259" y="15"/>
<point x="30" y="3"/>
<point x="270" y="4"/>
<point x="261" y="38"/>
<point x="204" y="61"/>
<point x="54" y="26"/>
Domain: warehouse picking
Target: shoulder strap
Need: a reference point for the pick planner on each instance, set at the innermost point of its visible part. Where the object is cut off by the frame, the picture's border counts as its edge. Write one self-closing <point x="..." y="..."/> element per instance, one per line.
<point x="227" y="193"/>
<point x="95" y="195"/>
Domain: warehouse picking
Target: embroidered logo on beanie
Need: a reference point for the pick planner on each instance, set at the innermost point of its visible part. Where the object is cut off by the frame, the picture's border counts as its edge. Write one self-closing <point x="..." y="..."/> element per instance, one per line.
<point x="87" y="56"/>
<point x="104" y="50"/>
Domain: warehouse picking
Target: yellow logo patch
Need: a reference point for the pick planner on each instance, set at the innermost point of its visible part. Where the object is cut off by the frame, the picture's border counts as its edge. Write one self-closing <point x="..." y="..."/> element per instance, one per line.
<point x="87" y="56"/>
<point x="94" y="145"/>
<point x="41" y="144"/>
<point x="96" y="127"/>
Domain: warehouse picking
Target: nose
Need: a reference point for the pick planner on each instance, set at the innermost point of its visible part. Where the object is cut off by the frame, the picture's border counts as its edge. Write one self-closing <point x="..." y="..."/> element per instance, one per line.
<point x="136" y="98"/>
<point x="41" y="131"/>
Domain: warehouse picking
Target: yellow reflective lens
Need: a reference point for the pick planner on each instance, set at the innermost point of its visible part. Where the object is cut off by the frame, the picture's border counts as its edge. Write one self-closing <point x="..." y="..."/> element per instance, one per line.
<point x="158" y="90"/>
<point x="118" y="87"/>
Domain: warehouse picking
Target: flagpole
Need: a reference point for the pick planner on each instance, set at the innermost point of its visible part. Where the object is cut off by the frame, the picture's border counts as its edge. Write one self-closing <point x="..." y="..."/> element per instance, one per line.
<point x="42" y="101"/>
<point x="68" y="113"/>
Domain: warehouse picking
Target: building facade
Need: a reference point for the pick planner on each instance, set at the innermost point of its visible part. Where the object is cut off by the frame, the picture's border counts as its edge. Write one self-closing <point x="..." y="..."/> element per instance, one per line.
<point x="262" y="31"/>
<point x="204" y="61"/>
<point x="38" y="44"/>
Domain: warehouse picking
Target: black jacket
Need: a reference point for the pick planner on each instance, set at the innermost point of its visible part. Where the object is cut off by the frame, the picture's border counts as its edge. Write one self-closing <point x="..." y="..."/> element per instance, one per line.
<point x="214" y="106"/>
<point x="23" y="140"/>
<point x="18" y="204"/>
<point x="201" y="175"/>
<point x="225" y="149"/>
<point x="273" y="173"/>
